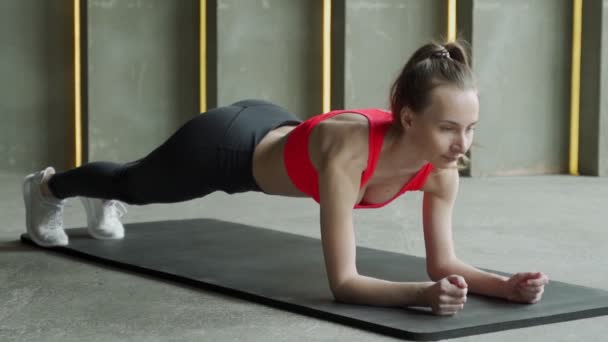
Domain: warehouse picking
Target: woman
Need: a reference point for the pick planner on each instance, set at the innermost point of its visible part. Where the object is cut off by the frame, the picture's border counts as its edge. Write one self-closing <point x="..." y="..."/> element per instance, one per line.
<point x="345" y="159"/>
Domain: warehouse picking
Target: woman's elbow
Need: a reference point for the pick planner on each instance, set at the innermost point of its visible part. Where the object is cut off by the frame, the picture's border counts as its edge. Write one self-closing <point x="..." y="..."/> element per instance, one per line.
<point x="341" y="292"/>
<point x="435" y="273"/>
<point x="339" y="296"/>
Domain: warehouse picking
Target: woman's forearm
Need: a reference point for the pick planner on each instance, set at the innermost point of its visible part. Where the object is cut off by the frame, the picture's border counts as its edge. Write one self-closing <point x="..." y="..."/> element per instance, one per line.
<point x="478" y="281"/>
<point x="372" y="291"/>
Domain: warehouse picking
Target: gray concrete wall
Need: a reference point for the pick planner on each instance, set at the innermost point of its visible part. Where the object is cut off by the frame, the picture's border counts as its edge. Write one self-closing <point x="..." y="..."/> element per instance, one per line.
<point x="142" y="68"/>
<point x="522" y="56"/>
<point x="143" y="74"/>
<point x="272" y="50"/>
<point x="35" y="85"/>
<point x="379" y="37"/>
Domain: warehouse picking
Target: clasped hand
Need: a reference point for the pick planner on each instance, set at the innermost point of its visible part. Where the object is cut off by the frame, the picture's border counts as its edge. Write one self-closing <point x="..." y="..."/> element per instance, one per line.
<point x="526" y="287"/>
<point x="448" y="295"/>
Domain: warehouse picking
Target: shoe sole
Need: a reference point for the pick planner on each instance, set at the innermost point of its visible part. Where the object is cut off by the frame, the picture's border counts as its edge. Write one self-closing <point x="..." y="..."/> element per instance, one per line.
<point x="28" y="210"/>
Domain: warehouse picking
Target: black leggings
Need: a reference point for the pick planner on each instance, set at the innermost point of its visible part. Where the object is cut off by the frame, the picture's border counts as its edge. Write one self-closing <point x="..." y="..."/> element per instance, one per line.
<point x="211" y="152"/>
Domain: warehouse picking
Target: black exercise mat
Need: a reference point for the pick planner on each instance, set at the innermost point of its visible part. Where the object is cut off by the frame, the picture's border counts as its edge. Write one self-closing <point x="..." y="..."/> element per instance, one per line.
<point x="287" y="271"/>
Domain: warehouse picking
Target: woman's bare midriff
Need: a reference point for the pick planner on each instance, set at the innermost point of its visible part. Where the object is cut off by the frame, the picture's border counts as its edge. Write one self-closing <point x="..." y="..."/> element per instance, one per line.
<point x="269" y="167"/>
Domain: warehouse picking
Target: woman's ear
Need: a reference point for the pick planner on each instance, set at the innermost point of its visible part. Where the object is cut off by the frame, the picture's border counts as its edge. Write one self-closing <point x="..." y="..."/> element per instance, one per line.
<point x="406" y="116"/>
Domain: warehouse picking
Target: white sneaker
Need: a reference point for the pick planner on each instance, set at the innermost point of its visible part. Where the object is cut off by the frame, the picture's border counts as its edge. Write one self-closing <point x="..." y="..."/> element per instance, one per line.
<point x="103" y="218"/>
<point x="43" y="215"/>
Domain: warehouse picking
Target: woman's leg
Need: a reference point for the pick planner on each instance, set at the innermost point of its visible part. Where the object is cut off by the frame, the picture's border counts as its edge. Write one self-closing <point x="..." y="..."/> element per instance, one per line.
<point x="182" y="168"/>
<point x="211" y="152"/>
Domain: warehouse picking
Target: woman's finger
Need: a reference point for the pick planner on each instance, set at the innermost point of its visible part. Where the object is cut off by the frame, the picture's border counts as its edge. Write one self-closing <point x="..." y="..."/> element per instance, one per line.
<point x="532" y="293"/>
<point x="455" y="291"/>
<point x="537" y="282"/>
<point x="531" y="300"/>
<point x="524" y="285"/>
<point x="453" y="300"/>
<point x="458" y="281"/>
<point x="531" y="275"/>
<point x="531" y="288"/>
<point x="450" y="308"/>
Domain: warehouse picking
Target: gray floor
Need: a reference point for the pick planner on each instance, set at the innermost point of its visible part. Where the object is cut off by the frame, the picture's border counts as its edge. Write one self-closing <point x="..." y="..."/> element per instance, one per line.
<point x="555" y="224"/>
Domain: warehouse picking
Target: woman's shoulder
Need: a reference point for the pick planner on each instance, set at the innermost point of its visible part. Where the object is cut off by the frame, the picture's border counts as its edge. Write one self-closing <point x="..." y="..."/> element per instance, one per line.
<point x="346" y="127"/>
<point x="442" y="182"/>
<point x="363" y="114"/>
<point x="346" y="118"/>
<point x="341" y="137"/>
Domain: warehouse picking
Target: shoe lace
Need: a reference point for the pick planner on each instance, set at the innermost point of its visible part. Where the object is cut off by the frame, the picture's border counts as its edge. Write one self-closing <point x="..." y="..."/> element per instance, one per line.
<point x="116" y="207"/>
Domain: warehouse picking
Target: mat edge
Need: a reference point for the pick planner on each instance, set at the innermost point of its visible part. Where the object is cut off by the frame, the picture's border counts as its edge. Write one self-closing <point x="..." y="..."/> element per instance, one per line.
<point x="320" y="314"/>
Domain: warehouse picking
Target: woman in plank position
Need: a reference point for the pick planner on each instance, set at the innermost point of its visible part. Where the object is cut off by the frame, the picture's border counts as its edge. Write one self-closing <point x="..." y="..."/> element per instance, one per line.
<point x="343" y="159"/>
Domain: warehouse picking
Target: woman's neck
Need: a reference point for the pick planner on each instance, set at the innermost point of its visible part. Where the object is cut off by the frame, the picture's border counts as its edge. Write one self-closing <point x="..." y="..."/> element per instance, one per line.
<point x="400" y="152"/>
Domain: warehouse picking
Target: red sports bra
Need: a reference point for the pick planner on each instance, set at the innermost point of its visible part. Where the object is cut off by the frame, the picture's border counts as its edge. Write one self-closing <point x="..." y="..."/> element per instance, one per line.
<point x="303" y="174"/>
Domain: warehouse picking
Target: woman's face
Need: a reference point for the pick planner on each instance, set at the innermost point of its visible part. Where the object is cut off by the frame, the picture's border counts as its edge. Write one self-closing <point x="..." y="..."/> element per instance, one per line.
<point x="444" y="130"/>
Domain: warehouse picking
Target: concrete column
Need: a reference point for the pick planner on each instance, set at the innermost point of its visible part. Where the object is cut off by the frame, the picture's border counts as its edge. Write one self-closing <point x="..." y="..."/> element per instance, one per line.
<point x="593" y="147"/>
